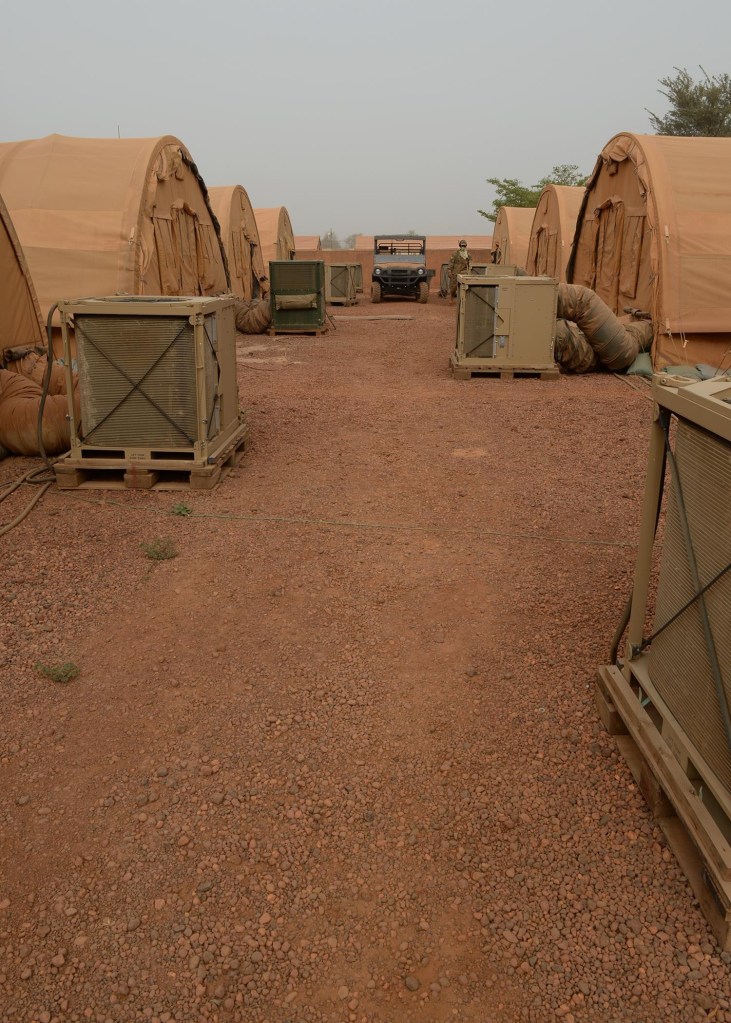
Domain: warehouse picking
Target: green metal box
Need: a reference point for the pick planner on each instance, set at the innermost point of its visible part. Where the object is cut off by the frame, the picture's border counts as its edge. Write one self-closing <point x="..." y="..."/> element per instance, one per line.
<point x="297" y="295"/>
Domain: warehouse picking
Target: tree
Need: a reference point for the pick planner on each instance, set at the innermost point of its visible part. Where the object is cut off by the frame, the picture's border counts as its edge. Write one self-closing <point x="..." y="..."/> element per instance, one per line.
<point x="330" y="240"/>
<point x="696" y="108"/>
<point x="511" y="192"/>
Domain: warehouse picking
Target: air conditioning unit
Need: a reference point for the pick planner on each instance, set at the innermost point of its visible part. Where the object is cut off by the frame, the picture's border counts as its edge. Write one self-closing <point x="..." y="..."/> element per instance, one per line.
<point x="673" y="690"/>
<point x="340" y="285"/>
<point x="157" y="388"/>
<point x="505" y="325"/>
<point x="297" y="295"/>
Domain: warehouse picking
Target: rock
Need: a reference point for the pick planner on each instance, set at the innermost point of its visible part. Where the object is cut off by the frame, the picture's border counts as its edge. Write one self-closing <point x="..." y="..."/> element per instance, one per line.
<point x="412" y="983"/>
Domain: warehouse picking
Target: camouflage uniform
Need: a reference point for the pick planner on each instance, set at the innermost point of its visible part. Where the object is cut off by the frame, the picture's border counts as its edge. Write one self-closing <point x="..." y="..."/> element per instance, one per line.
<point x="458" y="264"/>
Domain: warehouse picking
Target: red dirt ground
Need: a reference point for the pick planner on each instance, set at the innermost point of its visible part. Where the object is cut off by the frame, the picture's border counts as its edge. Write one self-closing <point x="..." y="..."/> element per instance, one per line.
<point x="338" y="760"/>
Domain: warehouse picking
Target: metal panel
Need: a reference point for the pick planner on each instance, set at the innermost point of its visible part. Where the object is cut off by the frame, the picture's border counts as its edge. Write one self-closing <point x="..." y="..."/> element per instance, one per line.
<point x="155" y="374"/>
<point x="299" y="277"/>
<point x="507" y="320"/>
<point x="678" y="663"/>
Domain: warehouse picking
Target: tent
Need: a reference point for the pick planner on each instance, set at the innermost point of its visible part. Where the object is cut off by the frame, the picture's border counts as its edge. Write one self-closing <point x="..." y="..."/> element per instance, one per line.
<point x="511" y="235"/>
<point x="108" y="216"/>
<point x="307" y="243"/>
<point x="654" y="234"/>
<point x="240" y="237"/>
<point x="275" y="233"/>
<point x="554" y="224"/>
<point x="20" y="314"/>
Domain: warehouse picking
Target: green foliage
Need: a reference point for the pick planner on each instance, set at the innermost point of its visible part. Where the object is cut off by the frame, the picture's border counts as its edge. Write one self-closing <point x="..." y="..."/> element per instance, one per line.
<point x="61" y="673"/>
<point x="696" y="108"/>
<point x="159" y="550"/>
<point x="181" y="509"/>
<point x="511" y="192"/>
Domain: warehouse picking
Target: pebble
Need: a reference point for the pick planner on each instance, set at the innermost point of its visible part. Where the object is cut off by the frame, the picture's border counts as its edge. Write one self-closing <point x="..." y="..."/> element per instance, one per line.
<point x="412" y="983"/>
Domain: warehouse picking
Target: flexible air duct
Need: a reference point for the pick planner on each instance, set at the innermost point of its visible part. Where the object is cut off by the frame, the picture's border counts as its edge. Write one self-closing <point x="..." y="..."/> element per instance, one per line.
<point x="616" y="344"/>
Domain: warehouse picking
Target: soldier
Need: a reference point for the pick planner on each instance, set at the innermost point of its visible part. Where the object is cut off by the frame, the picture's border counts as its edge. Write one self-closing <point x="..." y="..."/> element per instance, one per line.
<point x="460" y="263"/>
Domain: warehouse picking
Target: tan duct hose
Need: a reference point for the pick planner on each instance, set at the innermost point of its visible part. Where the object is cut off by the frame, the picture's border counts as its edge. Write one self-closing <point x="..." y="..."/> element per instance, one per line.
<point x="20" y="399"/>
<point x="615" y="344"/>
<point x="252" y="317"/>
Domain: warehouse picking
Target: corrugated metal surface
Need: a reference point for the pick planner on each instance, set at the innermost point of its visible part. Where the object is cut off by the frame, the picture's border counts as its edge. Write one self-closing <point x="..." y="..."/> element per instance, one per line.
<point x="155" y="352"/>
<point x="678" y="664"/>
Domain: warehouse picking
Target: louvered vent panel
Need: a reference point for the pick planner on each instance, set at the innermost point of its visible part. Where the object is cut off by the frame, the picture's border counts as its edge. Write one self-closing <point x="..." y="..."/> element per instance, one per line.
<point x="293" y="275"/>
<point x="679" y="665"/>
<point x="156" y="353"/>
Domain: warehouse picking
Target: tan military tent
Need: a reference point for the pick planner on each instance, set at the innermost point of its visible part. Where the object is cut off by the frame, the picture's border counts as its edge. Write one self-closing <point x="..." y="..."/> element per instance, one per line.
<point x="20" y="314"/>
<point x="511" y="235"/>
<point x="554" y="224"/>
<point x="240" y="236"/>
<point x="106" y="216"/>
<point x="275" y="233"/>
<point x="654" y="233"/>
<point x="307" y="243"/>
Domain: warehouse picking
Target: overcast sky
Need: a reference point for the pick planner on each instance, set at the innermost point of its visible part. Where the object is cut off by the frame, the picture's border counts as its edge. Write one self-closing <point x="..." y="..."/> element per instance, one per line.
<point x="360" y="117"/>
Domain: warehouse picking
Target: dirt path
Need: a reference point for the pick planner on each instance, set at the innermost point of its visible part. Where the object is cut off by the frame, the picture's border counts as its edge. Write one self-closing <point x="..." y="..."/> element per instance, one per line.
<point x="338" y="760"/>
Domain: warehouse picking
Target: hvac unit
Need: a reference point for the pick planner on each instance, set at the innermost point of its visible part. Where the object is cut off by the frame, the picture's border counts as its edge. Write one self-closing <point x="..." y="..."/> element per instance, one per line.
<point x="157" y="389"/>
<point x="672" y="694"/>
<point x="505" y="326"/>
<point x="340" y="286"/>
<point x="479" y="269"/>
<point x="297" y="296"/>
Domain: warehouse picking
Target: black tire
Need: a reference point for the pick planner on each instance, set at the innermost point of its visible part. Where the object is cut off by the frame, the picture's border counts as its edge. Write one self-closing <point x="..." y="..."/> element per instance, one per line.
<point x="375" y="292"/>
<point x="423" y="294"/>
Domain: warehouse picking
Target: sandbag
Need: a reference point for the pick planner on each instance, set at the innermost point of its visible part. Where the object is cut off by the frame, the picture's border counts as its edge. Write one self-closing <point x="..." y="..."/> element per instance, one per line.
<point x="616" y="344"/>
<point x="252" y="317"/>
<point x="20" y="400"/>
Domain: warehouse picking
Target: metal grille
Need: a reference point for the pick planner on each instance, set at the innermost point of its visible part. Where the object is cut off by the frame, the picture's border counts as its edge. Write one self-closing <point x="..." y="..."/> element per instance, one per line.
<point x="137" y="380"/>
<point x="678" y="663"/>
<point x="305" y="275"/>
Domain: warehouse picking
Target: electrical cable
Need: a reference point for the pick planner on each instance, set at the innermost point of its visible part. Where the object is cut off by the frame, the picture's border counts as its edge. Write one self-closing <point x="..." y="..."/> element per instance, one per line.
<point x="303" y="521"/>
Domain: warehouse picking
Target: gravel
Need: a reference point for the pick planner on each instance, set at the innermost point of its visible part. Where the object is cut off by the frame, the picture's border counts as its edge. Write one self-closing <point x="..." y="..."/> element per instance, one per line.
<point x="338" y="759"/>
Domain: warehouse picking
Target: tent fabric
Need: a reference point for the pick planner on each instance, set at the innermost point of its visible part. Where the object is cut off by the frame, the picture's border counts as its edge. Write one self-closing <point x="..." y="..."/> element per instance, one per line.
<point x="275" y="233"/>
<point x="111" y="216"/>
<point x="307" y="242"/>
<point x="552" y="231"/>
<point x="240" y="236"/>
<point x="20" y="315"/>
<point x="511" y="235"/>
<point x="654" y="234"/>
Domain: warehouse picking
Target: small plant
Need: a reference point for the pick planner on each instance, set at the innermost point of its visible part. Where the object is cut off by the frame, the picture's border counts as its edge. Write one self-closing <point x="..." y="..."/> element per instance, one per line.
<point x="159" y="550"/>
<point x="182" y="509"/>
<point x="61" y="673"/>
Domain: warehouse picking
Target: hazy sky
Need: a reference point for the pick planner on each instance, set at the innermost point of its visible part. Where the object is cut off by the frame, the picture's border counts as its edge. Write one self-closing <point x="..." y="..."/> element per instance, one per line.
<point x="368" y="117"/>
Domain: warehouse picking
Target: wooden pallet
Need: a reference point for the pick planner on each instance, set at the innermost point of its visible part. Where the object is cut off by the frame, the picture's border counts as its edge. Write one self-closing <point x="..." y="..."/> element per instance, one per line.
<point x="692" y="831"/>
<point x="150" y="474"/>
<point x="315" y="331"/>
<point x="467" y="370"/>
